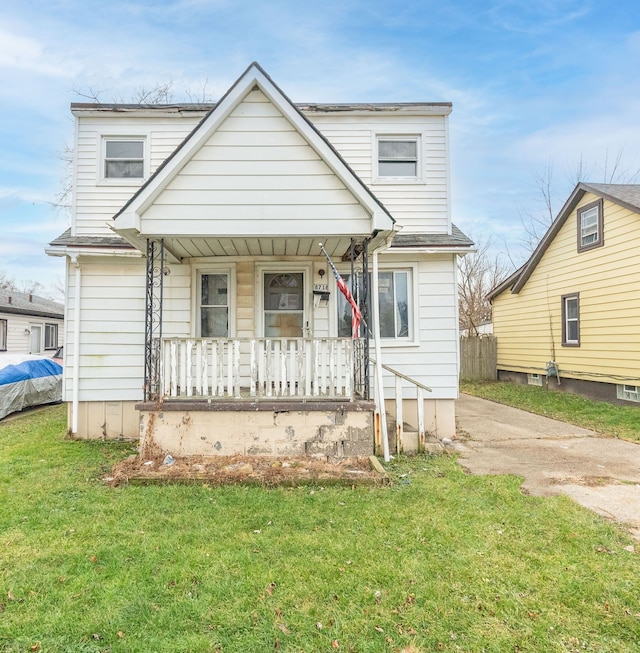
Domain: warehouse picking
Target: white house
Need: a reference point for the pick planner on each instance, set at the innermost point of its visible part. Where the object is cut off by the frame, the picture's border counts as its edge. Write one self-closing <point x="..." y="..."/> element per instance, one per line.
<point x="30" y="324"/>
<point x="202" y="314"/>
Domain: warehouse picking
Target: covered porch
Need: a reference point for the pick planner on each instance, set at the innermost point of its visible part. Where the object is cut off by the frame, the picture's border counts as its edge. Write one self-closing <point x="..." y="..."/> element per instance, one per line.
<point x="295" y="394"/>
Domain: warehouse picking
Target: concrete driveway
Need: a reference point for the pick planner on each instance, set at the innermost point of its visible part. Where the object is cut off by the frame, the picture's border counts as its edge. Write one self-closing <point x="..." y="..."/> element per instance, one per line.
<point x="602" y="474"/>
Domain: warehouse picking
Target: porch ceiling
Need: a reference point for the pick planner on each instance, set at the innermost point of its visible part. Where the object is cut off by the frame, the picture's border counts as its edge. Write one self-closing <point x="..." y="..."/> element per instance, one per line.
<point x="192" y="247"/>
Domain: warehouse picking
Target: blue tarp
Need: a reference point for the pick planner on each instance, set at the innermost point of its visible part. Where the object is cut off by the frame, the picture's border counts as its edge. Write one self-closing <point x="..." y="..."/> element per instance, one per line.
<point x="32" y="369"/>
<point x="29" y="382"/>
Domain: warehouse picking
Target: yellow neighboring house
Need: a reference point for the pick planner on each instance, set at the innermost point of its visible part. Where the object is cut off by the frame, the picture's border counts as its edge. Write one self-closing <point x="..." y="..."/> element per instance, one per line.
<point x="570" y="316"/>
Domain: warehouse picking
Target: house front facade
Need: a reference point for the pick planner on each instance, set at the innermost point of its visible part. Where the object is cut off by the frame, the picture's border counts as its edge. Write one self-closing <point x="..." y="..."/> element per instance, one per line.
<point x="203" y="313"/>
<point x="568" y="318"/>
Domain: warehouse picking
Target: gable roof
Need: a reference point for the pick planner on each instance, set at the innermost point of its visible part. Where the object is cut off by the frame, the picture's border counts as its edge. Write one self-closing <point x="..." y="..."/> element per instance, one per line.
<point x="21" y="303"/>
<point x="128" y="217"/>
<point x="626" y="195"/>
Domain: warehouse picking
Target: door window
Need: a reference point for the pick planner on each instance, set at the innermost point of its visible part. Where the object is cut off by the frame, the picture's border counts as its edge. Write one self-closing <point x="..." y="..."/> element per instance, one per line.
<point x="283" y="305"/>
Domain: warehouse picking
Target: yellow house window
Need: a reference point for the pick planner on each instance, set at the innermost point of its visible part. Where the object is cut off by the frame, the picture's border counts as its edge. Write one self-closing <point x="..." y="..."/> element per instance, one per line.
<point x="590" y="226"/>
<point x="571" y="320"/>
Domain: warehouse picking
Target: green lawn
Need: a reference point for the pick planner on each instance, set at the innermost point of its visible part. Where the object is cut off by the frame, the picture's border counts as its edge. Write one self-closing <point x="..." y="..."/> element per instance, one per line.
<point x="605" y="418"/>
<point x="439" y="561"/>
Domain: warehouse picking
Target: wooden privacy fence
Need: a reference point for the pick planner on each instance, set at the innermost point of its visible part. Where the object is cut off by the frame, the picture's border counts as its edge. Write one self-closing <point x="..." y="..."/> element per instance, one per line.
<point x="478" y="358"/>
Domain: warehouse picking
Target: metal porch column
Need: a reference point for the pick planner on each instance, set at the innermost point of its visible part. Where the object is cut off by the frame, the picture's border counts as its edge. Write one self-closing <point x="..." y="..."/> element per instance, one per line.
<point x="153" y="318"/>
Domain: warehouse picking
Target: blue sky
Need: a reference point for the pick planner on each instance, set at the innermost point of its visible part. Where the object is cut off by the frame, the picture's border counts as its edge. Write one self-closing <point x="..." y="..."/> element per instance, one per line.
<point x="533" y="84"/>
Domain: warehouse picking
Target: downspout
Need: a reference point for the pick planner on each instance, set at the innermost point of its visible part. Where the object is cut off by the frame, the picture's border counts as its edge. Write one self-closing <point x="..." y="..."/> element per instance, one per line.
<point x="376" y="337"/>
<point x="76" y="350"/>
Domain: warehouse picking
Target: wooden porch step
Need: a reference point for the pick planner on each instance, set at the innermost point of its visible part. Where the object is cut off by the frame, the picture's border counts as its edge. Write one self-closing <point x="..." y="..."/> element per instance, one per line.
<point x="410" y="438"/>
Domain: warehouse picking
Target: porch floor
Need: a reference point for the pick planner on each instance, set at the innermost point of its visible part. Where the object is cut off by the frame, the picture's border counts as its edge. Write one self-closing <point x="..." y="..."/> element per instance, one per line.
<point x="248" y="403"/>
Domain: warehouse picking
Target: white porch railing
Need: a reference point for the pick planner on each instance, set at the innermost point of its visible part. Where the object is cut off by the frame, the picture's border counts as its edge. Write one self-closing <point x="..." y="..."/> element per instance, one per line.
<point x="258" y="367"/>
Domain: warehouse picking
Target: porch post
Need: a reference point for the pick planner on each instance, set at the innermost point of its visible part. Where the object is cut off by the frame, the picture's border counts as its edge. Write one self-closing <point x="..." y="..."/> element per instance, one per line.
<point x="153" y="318"/>
<point x="365" y="314"/>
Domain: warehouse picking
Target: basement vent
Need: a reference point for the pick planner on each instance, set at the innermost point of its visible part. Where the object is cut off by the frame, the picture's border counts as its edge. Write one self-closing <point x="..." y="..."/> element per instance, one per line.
<point x="534" y="379"/>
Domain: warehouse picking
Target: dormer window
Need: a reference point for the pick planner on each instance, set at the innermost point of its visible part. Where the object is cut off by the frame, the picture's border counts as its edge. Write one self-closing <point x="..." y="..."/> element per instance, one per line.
<point x="590" y="224"/>
<point x="123" y="158"/>
<point x="398" y="157"/>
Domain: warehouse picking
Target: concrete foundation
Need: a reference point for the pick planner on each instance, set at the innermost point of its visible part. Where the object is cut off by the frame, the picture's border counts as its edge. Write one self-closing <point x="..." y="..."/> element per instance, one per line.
<point x="325" y="429"/>
<point x="591" y="389"/>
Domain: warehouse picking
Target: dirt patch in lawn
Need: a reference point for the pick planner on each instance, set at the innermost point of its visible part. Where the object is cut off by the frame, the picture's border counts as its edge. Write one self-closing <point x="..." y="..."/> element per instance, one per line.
<point x="253" y="470"/>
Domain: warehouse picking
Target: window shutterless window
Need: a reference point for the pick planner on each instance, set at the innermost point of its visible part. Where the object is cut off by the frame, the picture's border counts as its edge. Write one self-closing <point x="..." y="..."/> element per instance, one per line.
<point x="571" y="320"/>
<point x="628" y="392"/>
<point x="398" y="156"/>
<point x="123" y="158"/>
<point x="590" y="226"/>
<point x="50" y="336"/>
<point x="214" y="305"/>
<point x="394" y="290"/>
<point x="3" y="335"/>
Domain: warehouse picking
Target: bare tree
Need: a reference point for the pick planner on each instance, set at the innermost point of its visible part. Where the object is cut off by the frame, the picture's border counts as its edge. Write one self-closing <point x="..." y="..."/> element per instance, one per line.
<point x="478" y="273"/>
<point x="28" y="287"/>
<point x="7" y="282"/>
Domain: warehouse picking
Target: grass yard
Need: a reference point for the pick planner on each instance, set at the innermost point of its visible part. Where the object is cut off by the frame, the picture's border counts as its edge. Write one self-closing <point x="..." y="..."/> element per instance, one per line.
<point x="439" y="561"/>
<point x="605" y="418"/>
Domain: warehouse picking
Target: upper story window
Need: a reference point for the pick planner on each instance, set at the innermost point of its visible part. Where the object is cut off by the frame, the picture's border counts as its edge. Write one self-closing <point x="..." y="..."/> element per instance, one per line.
<point x="398" y="157"/>
<point x="590" y="224"/>
<point x="3" y="335"/>
<point x="123" y="158"/>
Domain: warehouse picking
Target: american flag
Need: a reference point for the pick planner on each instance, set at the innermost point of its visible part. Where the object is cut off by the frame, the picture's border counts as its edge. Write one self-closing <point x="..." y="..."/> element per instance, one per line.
<point x="356" y="316"/>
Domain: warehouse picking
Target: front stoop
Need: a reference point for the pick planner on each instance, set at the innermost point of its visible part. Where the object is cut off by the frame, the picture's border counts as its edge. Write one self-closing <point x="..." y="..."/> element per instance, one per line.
<point x="411" y="440"/>
<point x="326" y="428"/>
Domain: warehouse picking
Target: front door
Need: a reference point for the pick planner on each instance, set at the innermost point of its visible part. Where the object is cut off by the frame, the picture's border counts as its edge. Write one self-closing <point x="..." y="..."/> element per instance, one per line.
<point x="35" y="338"/>
<point x="283" y="304"/>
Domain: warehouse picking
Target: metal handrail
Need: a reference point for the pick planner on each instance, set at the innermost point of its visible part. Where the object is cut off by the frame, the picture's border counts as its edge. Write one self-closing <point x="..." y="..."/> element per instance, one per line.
<point x="403" y="376"/>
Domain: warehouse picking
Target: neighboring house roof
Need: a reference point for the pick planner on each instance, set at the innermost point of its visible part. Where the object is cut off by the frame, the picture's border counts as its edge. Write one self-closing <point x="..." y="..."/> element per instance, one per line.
<point x="20" y="303"/>
<point x="626" y="195"/>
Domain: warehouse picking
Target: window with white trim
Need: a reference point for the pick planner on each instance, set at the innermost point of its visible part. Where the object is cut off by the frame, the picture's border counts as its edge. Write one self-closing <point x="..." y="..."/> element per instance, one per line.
<point x="123" y="158"/>
<point x="398" y="156"/>
<point x="213" y="303"/>
<point x="50" y="336"/>
<point x="571" y="320"/>
<point x="590" y="226"/>
<point x="628" y="392"/>
<point x="394" y="305"/>
<point x="3" y="335"/>
<point x="534" y="379"/>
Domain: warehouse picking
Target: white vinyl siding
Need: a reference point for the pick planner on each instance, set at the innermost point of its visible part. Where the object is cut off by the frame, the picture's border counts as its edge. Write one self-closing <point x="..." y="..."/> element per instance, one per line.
<point x="95" y="203"/>
<point x="112" y="304"/>
<point x="417" y="205"/>
<point x="256" y="175"/>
